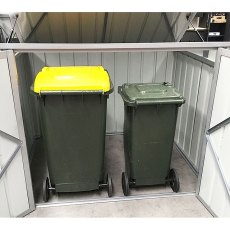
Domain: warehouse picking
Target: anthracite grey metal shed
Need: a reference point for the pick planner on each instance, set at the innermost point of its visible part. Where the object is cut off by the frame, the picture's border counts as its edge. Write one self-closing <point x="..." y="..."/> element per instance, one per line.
<point x="132" y="50"/>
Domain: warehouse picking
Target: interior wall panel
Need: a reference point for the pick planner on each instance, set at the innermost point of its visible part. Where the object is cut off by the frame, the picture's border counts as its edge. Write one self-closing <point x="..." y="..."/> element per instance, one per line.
<point x="193" y="80"/>
<point x="123" y="68"/>
<point x="200" y="113"/>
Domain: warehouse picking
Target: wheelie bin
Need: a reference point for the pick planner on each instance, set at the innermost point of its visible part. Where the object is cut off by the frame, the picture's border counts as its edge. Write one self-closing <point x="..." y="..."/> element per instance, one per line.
<point x="150" y="114"/>
<point x="73" y="103"/>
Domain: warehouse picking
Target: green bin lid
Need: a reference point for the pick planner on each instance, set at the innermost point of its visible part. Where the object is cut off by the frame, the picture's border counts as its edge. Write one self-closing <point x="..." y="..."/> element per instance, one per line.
<point x="149" y="93"/>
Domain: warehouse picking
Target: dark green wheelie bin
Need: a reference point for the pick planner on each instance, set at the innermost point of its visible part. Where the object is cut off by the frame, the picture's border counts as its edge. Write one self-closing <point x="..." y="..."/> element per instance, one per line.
<point x="149" y="129"/>
<point x="73" y="103"/>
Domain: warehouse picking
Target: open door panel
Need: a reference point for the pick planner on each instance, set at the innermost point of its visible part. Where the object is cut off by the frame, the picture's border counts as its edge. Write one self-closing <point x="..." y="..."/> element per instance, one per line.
<point x="16" y="195"/>
<point x="215" y="178"/>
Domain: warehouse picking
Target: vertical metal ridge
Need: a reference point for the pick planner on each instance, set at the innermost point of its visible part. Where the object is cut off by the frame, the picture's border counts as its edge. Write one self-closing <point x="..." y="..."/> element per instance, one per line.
<point x="142" y="27"/>
<point x="174" y="67"/>
<point x="187" y="114"/>
<point x="181" y="110"/>
<point x="156" y="28"/>
<point x="166" y="66"/>
<point x="128" y="67"/>
<point x="111" y="27"/>
<point x="33" y="65"/>
<point x="87" y="57"/>
<point x="74" y="59"/>
<point x="45" y="59"/>
<point x="155" y="66"/>
<point x="101" y="58"/>
<point x="59" y="58"/>
<point x="95" y="27"/>
<point x="80" y="27"/>
<point x="205" y="120"/>
<point x="142" y="67"/>
<point x="104" y="27"/>
<point x="65" y="28"/>
<point x="49" y="28"/>
<point x="194" y="118"/>
<point x="126" y="28"/>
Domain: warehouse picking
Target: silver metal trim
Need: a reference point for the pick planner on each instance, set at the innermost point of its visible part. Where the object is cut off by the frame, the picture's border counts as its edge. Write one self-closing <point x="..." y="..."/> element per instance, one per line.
<point x="199" y="58"/>
<point x="13" y="155"/>
<point x="220" y="52"/>
<point x="17" y="105"/>
<point x="115" y="199"/>
<point x="28" y="211"/>
<point x="111" y="47"/>
<point x="206" y="206"/>
<point x="218" y="126"/>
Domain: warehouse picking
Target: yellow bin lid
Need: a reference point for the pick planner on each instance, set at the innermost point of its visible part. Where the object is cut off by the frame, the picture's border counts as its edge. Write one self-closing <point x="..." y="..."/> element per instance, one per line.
<point x="72" y="78"/>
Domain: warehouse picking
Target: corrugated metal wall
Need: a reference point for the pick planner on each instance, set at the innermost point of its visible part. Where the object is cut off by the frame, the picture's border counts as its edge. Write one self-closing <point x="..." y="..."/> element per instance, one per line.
<point x="193" y="80"/>
<point x="122" y="67"/>
<point x="94" y="27"/>
<point x="100" y="27"/>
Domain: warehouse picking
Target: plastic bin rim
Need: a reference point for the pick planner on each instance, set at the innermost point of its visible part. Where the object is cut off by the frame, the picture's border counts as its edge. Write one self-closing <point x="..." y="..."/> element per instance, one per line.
<point x="135" y="103"/>
<point x="74" y="92"/>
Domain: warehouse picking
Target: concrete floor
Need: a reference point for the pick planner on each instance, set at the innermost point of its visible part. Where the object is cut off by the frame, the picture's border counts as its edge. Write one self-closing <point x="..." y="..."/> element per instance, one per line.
<point x="114" y="160"/>
<point x="183" y="206"/>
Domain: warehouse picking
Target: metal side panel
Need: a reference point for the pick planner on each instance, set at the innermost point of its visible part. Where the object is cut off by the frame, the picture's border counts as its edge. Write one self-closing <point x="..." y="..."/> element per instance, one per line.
<point x="193" y="80"/>
<point x="215" y="176"/>
<point x="16" y="179"/>
<point x="198" y="135"/>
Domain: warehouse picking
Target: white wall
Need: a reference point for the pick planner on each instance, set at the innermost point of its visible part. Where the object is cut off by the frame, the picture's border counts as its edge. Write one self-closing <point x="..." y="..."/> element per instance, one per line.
<point x="212" y="188"/>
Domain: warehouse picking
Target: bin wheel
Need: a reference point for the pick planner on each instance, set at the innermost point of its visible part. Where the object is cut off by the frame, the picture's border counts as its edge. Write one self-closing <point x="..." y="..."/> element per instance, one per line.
<point x="125" y="184"/>
<point x="109" y="183"/>
<point x="174" y="180"/>
<point x="45" y="190"/>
